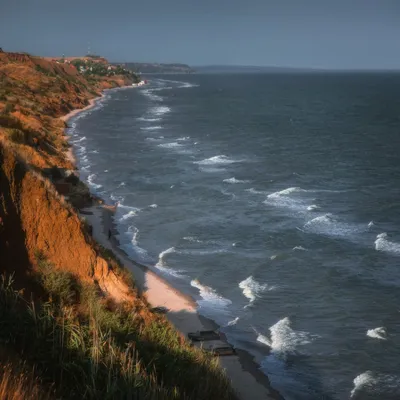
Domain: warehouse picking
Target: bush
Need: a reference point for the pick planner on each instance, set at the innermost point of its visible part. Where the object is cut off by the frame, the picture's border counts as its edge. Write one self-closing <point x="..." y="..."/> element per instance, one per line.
<point x="9" y="108"/>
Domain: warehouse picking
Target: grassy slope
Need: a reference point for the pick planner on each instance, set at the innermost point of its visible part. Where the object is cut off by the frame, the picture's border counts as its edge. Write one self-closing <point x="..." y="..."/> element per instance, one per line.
<point x="62" y="335"/>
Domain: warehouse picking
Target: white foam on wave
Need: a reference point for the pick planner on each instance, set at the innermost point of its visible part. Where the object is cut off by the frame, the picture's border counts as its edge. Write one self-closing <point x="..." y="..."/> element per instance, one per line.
<point x="162" y="266"/>
<point x="211" y="302"/>
<point x="151" y="128"/>
<point x="78" y="140"/>
<point x="377" y="333"/>
<point x="128" y="215"/>
<point x="233" y="322"/>
<point x="299" y="248"/>
<point x="234" y="180"/>
<point x="192" y="239"/>
<point x="313" y="207"/>
<point x="221" y="159"/>
<point x="379" y="385"/>
<point x="371" y="224"/>
<point x="383" y="244"/>
<point x="153" y="206"/>
<point x="172" y="145"/>
<point x="91" y="183"/>
<point x="149" y="93"/>
<point x="184" y="138"/>
<point x="253" y="289"/>
<point x="254" y="191"/>
<point x="329" y="225"/>
<point x="286" y="192"/>
<point x="149" y="119"/>
<point x="284" y="340"/>
<point x="160" y="110"/>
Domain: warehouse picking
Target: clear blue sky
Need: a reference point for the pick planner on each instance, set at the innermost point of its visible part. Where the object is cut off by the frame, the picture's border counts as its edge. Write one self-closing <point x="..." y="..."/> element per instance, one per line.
<point x="295" y="33"/>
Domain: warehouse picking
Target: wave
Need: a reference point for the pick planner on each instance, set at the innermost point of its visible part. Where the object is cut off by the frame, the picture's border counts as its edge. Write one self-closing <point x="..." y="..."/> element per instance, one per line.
<point x="162" y="266"/>
<point x="254" y="191"/>
<point x="148" y="119"/>
<point x="78" y="140"/>
<point x="252" y="289"/>
<point x="172" y="145"/>
<point x="160" y="110"/>
<point x="192" y="239"/>
<point x="221" y="159"/>
<point x="211" y="302"/>
<point x="383" y="244"/>
<point x="383" y="386"/>
<point x="210" y="169"/>
<point x="377" y="333"/>
<point x="300" y="248"/>
<point x="233" y="322"/>
<point x="328" y="225"/>
<point x="129" y="215"/>
<point x="148" y="93"/>
<point x="234" y="180"/>
<point x="151" y="128"/>
<point x="313" y="207"/>
<point x="91" y="183"/>
<point x="153" y="206"/>
<point x="284" y="340"/>
<point x="181" y="139"/>
<point x="286" y="192"/>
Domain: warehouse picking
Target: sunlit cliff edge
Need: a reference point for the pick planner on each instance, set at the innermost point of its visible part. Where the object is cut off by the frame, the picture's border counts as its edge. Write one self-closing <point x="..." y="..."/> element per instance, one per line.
<point x="72" y="323"/>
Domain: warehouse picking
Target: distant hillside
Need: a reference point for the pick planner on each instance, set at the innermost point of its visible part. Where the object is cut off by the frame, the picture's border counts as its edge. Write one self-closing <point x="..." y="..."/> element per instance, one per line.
<point x="154" y="68"/>
<point x="247" y="69"/>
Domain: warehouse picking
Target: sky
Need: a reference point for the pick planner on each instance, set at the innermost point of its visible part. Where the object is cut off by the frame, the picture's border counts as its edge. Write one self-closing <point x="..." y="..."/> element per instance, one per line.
<point x="341" y="34"/>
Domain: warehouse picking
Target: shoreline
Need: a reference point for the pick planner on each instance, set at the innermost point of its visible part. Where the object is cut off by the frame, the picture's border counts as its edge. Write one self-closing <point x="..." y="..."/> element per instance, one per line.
<point x="244" y="372"/>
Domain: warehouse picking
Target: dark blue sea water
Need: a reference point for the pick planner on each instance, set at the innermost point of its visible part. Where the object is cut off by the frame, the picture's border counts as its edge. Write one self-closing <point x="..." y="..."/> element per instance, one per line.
<point x="274" y="200"/>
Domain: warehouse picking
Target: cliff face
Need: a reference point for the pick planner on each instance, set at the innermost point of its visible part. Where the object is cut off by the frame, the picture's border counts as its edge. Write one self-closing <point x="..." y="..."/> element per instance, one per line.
<point x="33" y="216"/>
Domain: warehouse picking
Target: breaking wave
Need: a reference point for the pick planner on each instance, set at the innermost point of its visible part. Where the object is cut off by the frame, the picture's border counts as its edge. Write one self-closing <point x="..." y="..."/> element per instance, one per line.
<point x="284" y="340"/>
<point x="252" y="289"/>
<point x="160" y="110"/>
<point x="211" y="302"/>
<point x="234" y="180"/>
<point x="151" y="128"/>
<point x="377" y="333"/>
<point x="149" y="119"/>
<point x="221" y="159"/>
<point x="383" y="244"/>
<point x="162" y="266"/>
<point x="91" y="183"/>
<point x="383" y="386"/>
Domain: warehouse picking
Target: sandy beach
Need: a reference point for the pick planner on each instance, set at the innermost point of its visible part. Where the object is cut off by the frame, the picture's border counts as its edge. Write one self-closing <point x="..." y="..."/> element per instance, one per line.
<point x="247" y="380"/>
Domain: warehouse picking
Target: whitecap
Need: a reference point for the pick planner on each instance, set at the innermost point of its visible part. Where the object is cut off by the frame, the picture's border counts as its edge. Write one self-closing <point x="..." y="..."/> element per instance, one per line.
<point x="328" y="225"/>
<point x="284" y="340"/>
<point x="211" y="302"/>
<point x="371" y="224"/>
<point x="172" y="145"/>
<point x="300" y="248"/>
<point x="181" y="139"/>
<point x="91" y="183"/>
<point x="162" y="266"/>
<point x="79" y="140"/>
<point x="234" y="180"/>
<point x="254" y="191"/>
<point x="383" y="244"/>
<point x="151" y="128"/>
<point x="149" y="119"/>
<point x="153" y="205"/>
<point x="313" y="207"/>
<point x="221" y="159"/>
<point x="286" y="192"/>
<point x="160" y="110"/>
<point x="192" y="239"/>
<point x="380" y="385"/>
<point x="233" y="322"/>
<point x="377" y="333"/>
<point x="212" y="170"/>
<point x="252" y="289"/>
<point x="128" y="215"/>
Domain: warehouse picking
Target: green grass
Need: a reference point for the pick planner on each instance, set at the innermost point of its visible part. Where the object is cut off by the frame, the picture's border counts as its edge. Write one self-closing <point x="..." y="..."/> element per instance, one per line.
<point x="83" y="346"/>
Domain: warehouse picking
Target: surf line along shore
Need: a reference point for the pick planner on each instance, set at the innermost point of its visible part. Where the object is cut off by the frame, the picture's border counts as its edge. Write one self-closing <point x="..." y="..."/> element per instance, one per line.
<point x="247" y="379"/>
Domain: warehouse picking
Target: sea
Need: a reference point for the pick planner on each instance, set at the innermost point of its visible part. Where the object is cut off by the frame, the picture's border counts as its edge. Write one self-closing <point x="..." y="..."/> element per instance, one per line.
<point x="274" y="200"/>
